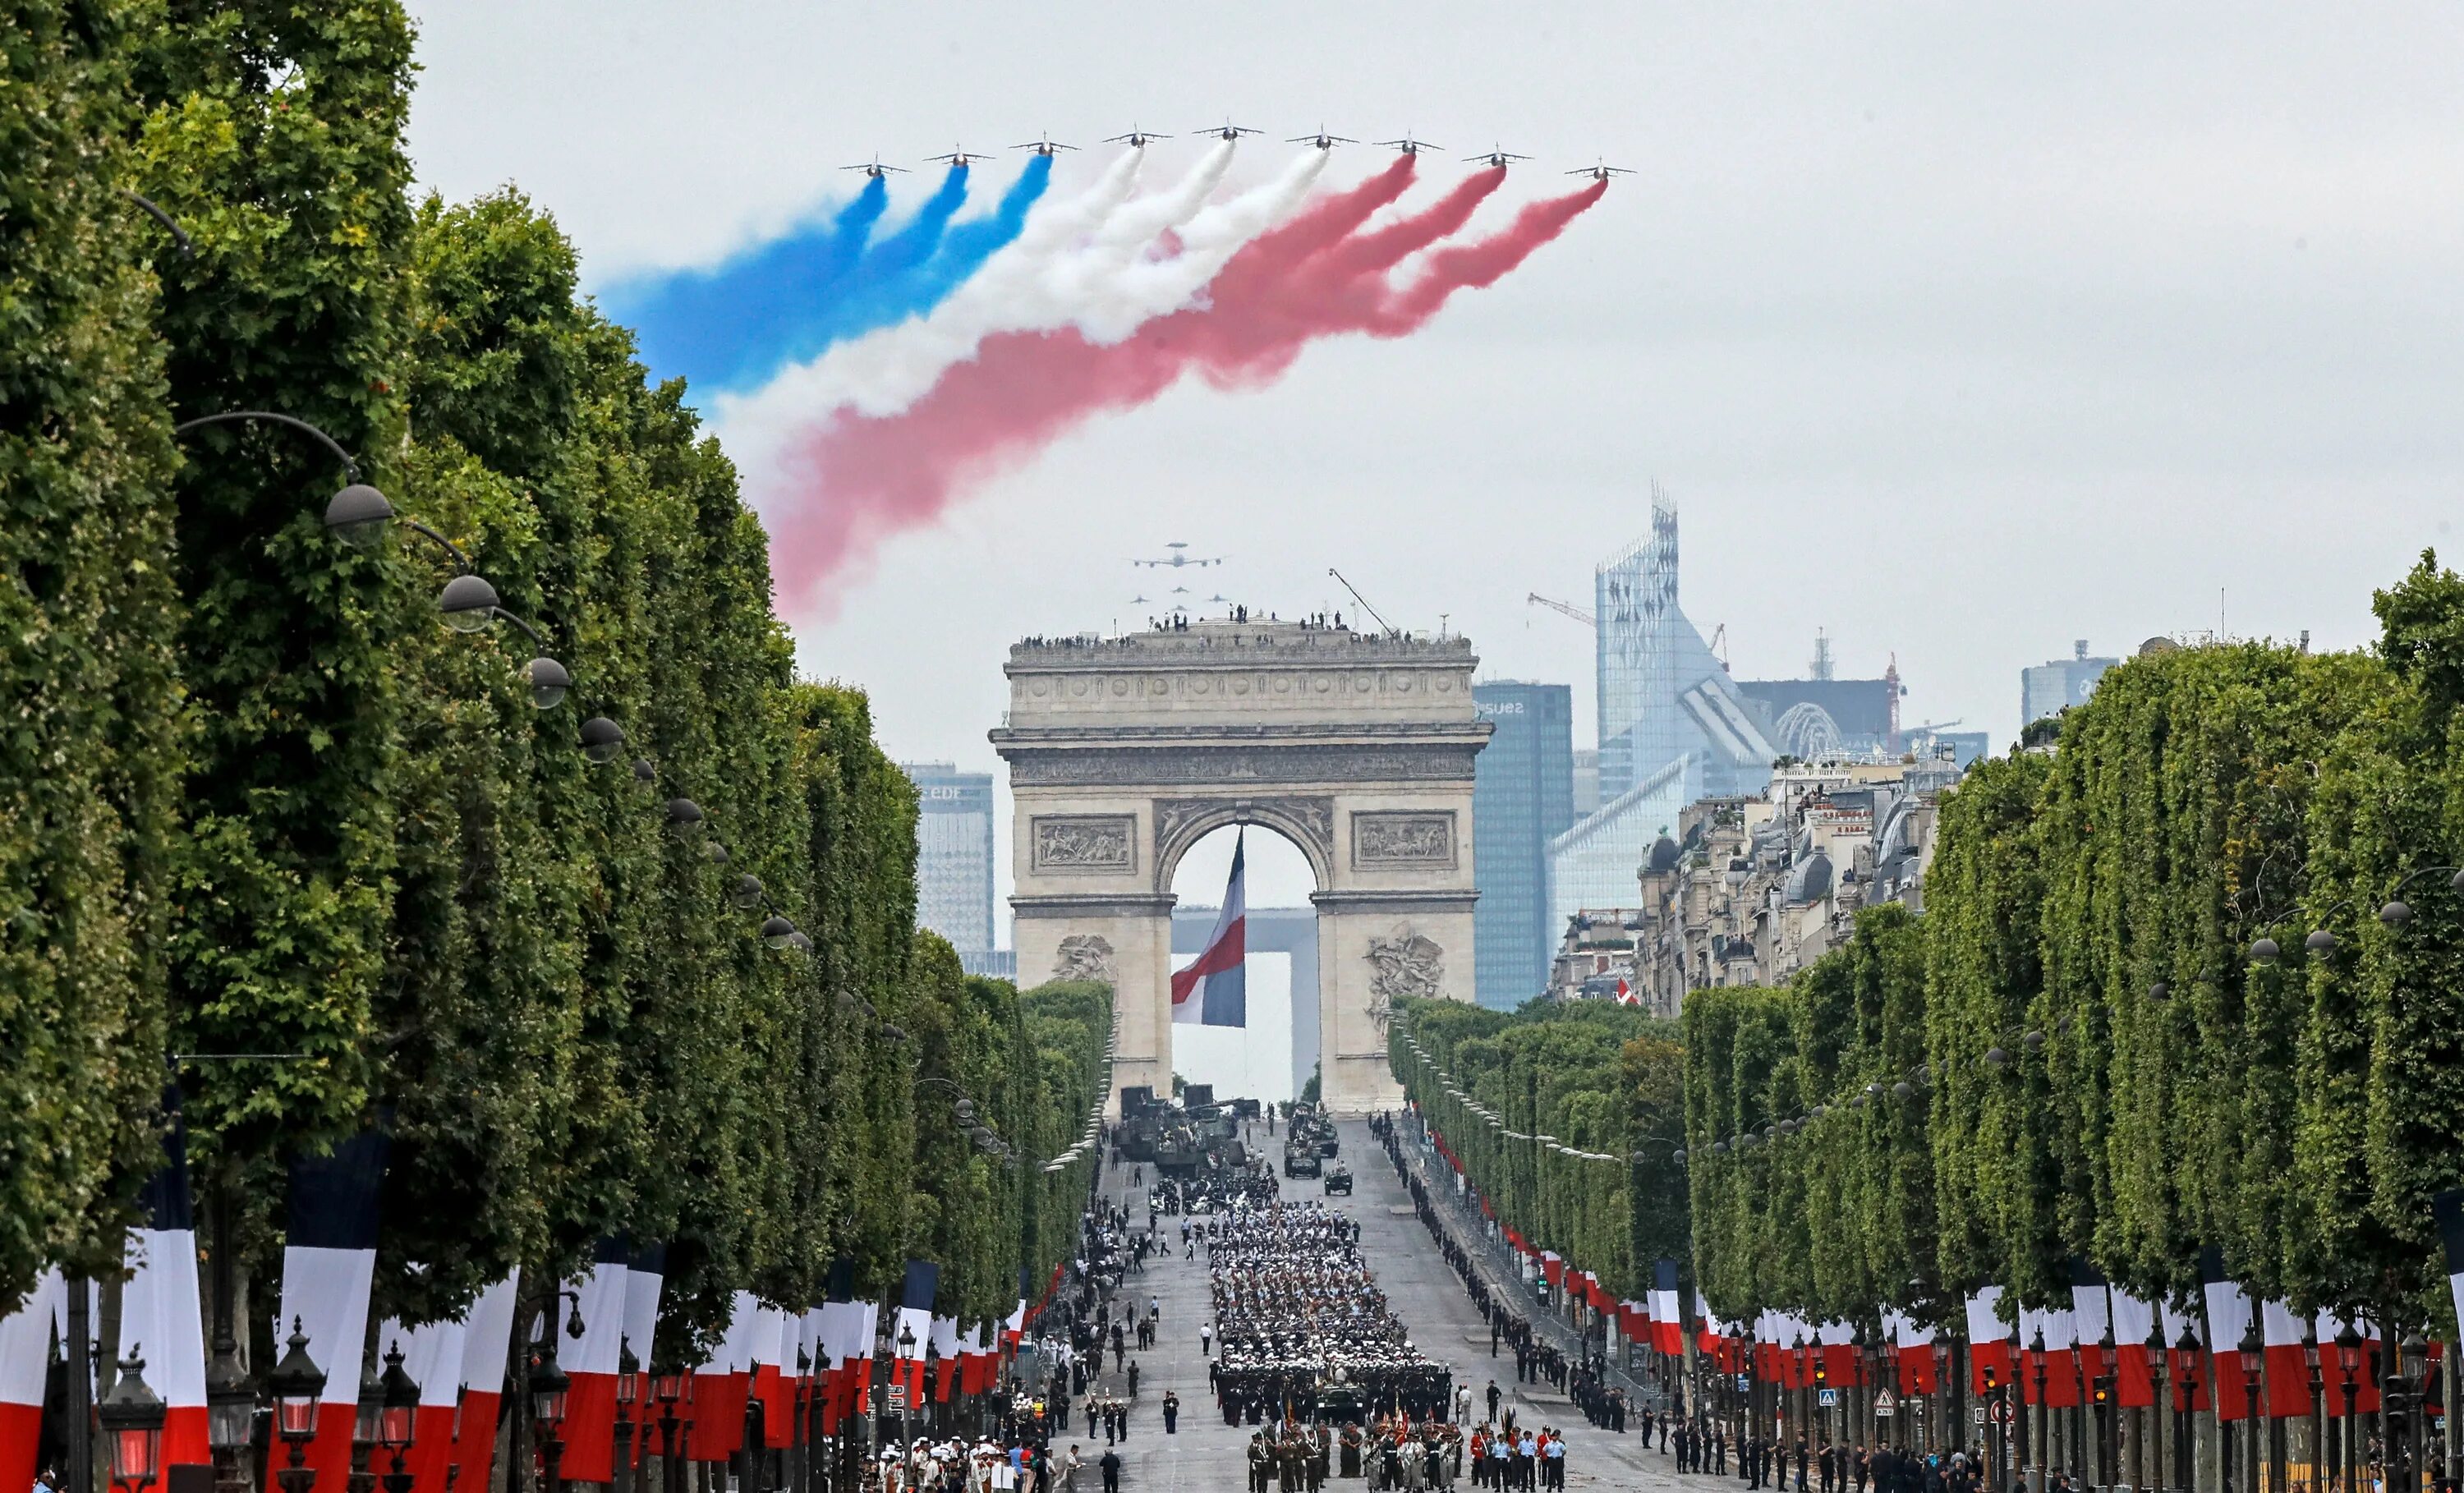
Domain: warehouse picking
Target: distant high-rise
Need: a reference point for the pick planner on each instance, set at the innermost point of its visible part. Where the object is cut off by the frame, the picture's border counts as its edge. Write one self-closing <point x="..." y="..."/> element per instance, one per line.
<point x="1523" y="797"/>
<point x="2049" y="688"/>
<point x="953" y="862"/>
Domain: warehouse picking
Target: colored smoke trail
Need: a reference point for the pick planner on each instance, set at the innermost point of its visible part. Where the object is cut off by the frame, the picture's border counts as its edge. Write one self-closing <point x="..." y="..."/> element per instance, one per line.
<point x="865" y="480"/>
<point x="1096" y="280"/>
<point x="783" y="303"/>
<point x="717" y="327"/>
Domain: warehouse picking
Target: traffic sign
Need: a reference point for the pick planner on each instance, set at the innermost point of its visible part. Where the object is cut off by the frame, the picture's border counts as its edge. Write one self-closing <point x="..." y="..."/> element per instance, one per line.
<point x="1828" y="1398"/>
<point x="1977" y="1415"/>
<point x="1743" y="1383"/>
<point x="1884" y="1411"/>
<point x="1884" y="1402"/>
<point x="2000" y="1411"/>
<point x="898" y="1396"/>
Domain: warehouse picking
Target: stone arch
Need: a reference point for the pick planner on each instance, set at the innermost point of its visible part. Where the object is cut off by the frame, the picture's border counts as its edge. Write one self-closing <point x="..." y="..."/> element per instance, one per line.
<point x="1179" y="823"/>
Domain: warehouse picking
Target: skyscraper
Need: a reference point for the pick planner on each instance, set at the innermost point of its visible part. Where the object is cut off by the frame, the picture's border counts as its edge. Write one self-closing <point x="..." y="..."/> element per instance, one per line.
<point x="1522" y="797"/>
<point x="2049" y="688"/>
<point x="953" y="862"/>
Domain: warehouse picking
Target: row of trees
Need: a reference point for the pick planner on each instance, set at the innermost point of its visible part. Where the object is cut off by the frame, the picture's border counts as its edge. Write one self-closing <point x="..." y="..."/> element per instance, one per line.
<point x="1596" y="1078"/>
<point x="261" y="816"/>
<point x="2190" y="982"/>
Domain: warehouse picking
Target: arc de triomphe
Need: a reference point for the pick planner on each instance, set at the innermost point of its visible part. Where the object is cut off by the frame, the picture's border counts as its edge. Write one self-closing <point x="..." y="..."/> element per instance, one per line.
<point x="1125" y="752"/>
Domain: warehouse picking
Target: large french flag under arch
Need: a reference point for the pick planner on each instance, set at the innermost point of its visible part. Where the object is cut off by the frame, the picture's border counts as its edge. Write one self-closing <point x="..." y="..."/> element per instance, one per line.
<point x="1214" y="990"/>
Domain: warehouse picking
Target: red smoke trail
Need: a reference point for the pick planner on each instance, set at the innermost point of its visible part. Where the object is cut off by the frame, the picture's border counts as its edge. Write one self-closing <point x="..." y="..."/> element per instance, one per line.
<point x="1315" y="276"/>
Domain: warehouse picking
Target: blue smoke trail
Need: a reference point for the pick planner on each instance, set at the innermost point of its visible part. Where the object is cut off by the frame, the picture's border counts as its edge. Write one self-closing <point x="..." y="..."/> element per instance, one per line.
<point x="719" y="327"/>
<point x="970" y="244"/>
<point x="736" y="327"/>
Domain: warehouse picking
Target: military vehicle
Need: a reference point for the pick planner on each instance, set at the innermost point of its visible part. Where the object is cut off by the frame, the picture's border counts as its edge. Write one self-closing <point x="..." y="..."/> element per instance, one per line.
<point x="1338" y="1180"/>
<point x="1300" y="1159"/>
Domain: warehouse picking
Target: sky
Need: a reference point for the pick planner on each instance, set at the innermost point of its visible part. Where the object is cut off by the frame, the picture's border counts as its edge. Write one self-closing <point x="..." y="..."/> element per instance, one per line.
<point x="1961" y="331"/>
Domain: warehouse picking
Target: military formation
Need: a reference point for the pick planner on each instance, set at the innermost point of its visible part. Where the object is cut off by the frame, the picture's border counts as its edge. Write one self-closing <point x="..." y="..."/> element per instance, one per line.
<point x="1305" y="1332"/>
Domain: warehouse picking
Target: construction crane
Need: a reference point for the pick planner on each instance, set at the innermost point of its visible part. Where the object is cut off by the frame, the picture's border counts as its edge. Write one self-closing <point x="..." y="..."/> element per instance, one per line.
<point x="1563" y="608"/>
<point x="1338" y="575"/>
<point x="1719" y="645"/>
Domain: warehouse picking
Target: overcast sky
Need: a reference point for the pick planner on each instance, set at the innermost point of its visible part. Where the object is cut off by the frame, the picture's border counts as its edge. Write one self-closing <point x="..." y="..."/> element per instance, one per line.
<point x="1960" y="330"/>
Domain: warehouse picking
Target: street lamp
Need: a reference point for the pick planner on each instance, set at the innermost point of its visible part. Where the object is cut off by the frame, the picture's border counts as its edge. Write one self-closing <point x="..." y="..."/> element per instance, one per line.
<point x="397" y="1418"/>
<point x="2349" y="1364"/>
<point x="672" y="1390"/>
<point x="629" y="1394"/>
<point x="2318" y="1399"/>
<point x="549" y="1386"/>
<point x="132" y="1417"/>
<point x="296" y="1385"/>
<point x="2188" y="1351"/>
<point x="2252" y="1346"/>
<point x="906" y="1350"/>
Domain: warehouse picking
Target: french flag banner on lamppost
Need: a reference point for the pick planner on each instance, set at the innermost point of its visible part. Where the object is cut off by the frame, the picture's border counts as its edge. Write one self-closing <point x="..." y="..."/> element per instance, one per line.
<point x="160" y="1319"/>
<point x="487" y="1344"/>
<point x="432" y="1356"/>
<point x="2177" y="1322"/>
<point x="2134" y="1384"/>
<point x="329" y="1261"/>
<point x="589" y="1430"/>
<point x="2228" y="1321"/>
<point x="1214" y="990"/>
<point x="774" y="1375"/>
<point x="24" y="1363"/>
<point x="644" y="1276"/>
<point x="1668" y="1327"/>
<point x="913" y="1330"/>
<point x="945" y="1347"/>
<point x="2091" y="1314"/>
<point x="1989" y="1340"/>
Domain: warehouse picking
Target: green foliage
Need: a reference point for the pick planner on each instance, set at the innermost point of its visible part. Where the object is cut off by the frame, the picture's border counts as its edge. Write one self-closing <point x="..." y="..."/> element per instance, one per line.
<point x="1597" y="1077"/>
<point x="2091" y="916"/>
<point x="88" y="762"/>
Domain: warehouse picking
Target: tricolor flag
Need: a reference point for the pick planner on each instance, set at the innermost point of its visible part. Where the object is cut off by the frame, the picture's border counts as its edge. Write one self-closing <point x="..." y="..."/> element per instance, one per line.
<point x="774" y="1375"/>
<point x="160" y="1321"/>
<point x="2091" y="1314"/>
<point x="329" y="1260"/>
<point x="912" y="1330"/>
<point x="432" y="1356"/>
<point x="1625" y="994"/>
<point x="1989" y="1341"/>
<point x="2228" y="1319"/>
<point x="2133" y="1322"/>
<point x="590" y="1360"/>
<point x="946" y="1350"/>
<point x="644" y="1276"/>
<point x="25" y="1361"/>
<point x="1668" y="1327"/>
<point x="1918" y="1374"/>
<point x="487" y="1345"/>
<point x="1214" y="991"/>
<point x="720" y="1386"/>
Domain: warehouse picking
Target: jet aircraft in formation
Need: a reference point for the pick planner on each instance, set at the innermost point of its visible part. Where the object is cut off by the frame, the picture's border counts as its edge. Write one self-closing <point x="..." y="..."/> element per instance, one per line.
<point x="1178" y="557"/>
<point x="1138" y="139"/>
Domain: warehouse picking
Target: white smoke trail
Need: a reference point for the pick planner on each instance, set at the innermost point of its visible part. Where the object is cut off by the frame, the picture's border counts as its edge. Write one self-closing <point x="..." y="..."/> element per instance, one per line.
<point x="1107" y="283"/>
<point x="753" y="425"/>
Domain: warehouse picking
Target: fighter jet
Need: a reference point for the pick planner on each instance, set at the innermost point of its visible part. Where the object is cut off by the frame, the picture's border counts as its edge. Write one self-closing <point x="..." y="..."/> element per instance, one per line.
<point x="1600" y="172"/>
<point x="959" y="157"/>
<point x="1044" y="146"/>
<point x="874" y="167"/>
<point x="1176" y="558"/>
<point x="1322" y="139"/>
<point x="1136" y="138"/>
<point x="1500" y="158"/>
<point x="1410" y="147"/>
<point x="1228" y="130"/>
<point x="1138" y="600"/>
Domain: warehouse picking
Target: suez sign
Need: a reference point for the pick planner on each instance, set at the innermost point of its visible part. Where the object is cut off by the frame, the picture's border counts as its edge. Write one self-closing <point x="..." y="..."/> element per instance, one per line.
<point x="1488" y="709"/>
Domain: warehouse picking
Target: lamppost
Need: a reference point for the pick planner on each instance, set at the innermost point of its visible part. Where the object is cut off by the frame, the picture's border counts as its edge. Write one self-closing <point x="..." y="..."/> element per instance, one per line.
<point x="674" y="1390"/>
<point x="906" y="1350"/>
<point x="2348" y="1367"/>
<point x="628" y="1392"/>
<point x="2044" y="1428"/>
<point x="397" y="1418"/>
<point x="231" y="1401"/>
<point x="2253" y="1348"/>
<point x="132" y="1417"/>
<point x="366" y="1428"/>
<point x="2318" y="1400"/>
<point x="549" y="1386"/>
<point x="2149" y="1464"/>
<point x="2107" y="1457"/>
<point x="296" y="1385"/>
<point x="2188" y="1360"/>
<point x="2414" y="1358"/>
